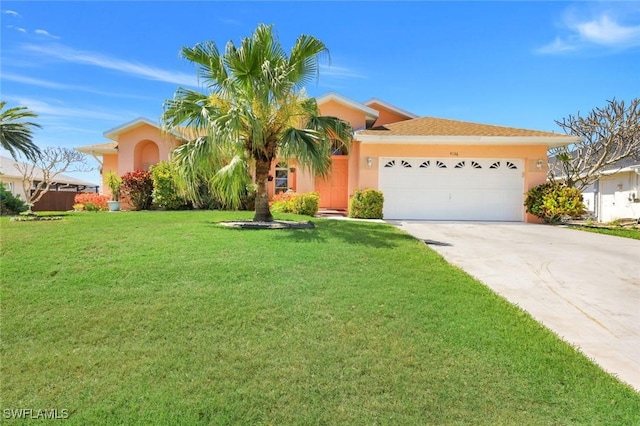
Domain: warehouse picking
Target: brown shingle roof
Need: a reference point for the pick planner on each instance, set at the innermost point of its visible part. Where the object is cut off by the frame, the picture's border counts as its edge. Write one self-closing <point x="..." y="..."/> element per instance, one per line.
<point x="429" y="126"/>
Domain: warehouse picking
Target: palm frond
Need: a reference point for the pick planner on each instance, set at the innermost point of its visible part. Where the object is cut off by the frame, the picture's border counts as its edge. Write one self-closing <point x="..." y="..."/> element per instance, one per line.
<point x="16" y="135"/>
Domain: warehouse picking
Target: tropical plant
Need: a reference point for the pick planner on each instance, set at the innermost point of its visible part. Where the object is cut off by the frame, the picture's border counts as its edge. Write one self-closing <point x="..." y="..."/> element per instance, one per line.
<point x="165" y="188"/>
<point x="255" y="110"/>
<point x="366" y="204"/>
<point x="138" y="187"/>
<point x="9" y="203"/>
<point x="553" y="201"/>
<point x="114" y="182"/>
<point x="90" y="202"/>
<point x="304" y="204"/>
<point x="16" y="135"/>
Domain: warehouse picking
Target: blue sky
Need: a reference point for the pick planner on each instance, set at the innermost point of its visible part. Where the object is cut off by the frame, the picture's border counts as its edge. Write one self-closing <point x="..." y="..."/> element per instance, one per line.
<point x="86" y="67"/>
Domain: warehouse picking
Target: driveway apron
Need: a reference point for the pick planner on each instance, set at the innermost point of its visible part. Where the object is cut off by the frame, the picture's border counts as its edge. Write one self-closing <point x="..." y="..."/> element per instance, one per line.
<point x="585" y="287"/>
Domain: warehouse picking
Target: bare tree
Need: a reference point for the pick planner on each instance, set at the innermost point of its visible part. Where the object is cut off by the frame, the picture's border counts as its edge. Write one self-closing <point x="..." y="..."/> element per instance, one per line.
<point x="608" y="135"/>
<point x="41" y="174"/>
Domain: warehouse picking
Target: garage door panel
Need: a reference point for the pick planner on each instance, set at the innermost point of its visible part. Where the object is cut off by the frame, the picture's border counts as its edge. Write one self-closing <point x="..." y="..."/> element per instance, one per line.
<point x="460" y="189"/>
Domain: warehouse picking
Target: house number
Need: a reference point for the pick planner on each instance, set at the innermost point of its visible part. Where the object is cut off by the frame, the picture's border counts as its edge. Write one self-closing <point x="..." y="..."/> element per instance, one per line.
<point x="454" y="154"/>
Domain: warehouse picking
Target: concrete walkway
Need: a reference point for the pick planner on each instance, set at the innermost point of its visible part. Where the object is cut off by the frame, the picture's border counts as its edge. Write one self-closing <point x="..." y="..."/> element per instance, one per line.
<point x="583" y="286"/>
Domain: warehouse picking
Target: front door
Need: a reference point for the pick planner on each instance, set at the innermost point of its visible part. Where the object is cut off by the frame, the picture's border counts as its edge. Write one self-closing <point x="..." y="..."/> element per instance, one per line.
<point x="334" y="190"/>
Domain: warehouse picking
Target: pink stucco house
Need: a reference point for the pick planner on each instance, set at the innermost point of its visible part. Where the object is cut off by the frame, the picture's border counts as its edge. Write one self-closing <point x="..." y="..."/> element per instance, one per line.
<point x="427" y="168"/>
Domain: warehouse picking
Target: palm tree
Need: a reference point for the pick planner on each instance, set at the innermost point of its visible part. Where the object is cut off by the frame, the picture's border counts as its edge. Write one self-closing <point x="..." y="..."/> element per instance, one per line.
<point x="16" y="135"/>
<point x="255" y="110"/>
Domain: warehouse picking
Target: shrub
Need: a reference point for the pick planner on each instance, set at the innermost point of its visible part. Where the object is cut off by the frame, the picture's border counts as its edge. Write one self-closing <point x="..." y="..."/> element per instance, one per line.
<point x="9" y="203"/>
<point x="137" y="186"/>
<point x="304" y="204"/>
<point x="553" y="201"/>
<point x="366" y="204"/>
<point x="165" y="189"/>
<point x="90" y="201"/>
<point x="114" y="182"/>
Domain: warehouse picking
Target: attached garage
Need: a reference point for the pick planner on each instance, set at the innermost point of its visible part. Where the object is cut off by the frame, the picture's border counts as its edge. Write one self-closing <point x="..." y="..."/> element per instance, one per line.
<point x="452" y="188"/>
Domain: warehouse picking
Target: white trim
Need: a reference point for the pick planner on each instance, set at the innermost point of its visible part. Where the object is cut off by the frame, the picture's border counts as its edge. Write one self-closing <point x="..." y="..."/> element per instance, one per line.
<point x="332" y="96"/>
<point x="390" y="107"/>
<point x="609" y="172"/>
<point x="88" y="150"/>
<point x="116" y="131"/>
<point x="551" y="141"/>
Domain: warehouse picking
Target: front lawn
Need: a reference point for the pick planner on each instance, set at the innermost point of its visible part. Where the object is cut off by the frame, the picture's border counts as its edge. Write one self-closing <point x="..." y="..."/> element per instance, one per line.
<point x="167" y="318"/>
<point x="618" y="232"/>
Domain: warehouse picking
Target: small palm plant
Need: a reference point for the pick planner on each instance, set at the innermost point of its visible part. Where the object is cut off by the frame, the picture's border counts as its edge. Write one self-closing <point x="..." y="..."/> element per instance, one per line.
<point x="114" y="182"/>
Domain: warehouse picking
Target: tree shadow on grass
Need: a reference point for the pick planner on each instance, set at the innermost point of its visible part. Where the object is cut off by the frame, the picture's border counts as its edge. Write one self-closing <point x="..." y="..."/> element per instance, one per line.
<point x="377" y="235"/>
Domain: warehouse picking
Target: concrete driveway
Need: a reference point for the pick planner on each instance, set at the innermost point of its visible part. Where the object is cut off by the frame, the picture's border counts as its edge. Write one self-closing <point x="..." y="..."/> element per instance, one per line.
<point x="583" y="286"/>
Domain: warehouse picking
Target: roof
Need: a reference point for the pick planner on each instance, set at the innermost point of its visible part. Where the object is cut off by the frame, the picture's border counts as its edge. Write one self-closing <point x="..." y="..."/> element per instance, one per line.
<point x="116" y="131"/>
<point x="103" y="148"/>
<point x="369" y="113"/>
<point x="8" y="169"/>
<point x="390" y="107"/>
<point x="430" y="129"/>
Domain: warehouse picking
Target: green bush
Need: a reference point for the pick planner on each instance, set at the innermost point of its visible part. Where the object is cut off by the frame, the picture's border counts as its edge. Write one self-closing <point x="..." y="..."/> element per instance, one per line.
<point x="166" y="194"/>
<point x="304" y="204"/>
<point x="553" y="201"/>
<point x="9" y="203"/>
<point x="366" y="204"/>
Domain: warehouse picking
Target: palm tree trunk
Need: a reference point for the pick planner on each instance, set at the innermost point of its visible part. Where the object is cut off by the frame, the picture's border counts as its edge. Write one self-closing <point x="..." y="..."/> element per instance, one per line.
<point x="262" y="213"/>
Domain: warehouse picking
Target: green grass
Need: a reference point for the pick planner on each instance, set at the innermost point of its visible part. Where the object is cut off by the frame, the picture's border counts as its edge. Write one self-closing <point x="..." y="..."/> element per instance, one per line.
<point x="168" y="318"/>
<point x="618" y="232"/>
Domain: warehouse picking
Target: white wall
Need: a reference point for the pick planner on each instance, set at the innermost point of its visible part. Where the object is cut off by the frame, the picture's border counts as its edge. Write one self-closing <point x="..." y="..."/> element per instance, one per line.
<point x="14" y="185"/>
<point x="617" y="193"/>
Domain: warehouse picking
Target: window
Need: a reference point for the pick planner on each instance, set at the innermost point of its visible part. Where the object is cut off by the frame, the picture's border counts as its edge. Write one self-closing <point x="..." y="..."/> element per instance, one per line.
<point x="405" y="164"/>
<point x="282" y="177"/>
<point x="390" y="163"/>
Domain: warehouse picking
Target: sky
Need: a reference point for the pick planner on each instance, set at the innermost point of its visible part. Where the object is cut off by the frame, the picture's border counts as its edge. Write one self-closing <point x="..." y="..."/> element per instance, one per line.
<point x="89" y="66"/>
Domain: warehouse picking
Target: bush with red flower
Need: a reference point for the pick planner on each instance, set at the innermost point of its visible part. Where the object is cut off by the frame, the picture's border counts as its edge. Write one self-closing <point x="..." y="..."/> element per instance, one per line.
<point x="137" y="187"/>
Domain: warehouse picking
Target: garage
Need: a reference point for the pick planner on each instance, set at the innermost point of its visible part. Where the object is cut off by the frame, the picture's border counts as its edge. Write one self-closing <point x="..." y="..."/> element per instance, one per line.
<point x="452" y="188"/>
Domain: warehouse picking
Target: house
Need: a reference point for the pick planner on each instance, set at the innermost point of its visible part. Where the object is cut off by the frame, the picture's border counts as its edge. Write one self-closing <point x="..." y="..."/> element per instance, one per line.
<point x="60" y="195"/>
<point x="616" y="193"/>
<point x="427" y="168"/>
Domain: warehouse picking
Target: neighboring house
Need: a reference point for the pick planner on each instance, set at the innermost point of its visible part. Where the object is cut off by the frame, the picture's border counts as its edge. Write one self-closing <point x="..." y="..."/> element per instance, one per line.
<point x="13" y="180"/>
<point x="427" y="168"/>
<point x="616" y="193"/>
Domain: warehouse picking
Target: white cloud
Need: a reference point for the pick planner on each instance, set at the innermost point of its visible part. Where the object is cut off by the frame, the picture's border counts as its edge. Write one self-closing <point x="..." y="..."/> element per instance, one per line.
<point x="108" y="62"/>
<point x="20" y="29"/>
<point x="46" y="34"/>
<point x="339" y="72"/>
<point x="12" y="13"/>
<point x="603" y="29"/>
<point x="61" y="86"/>
<point x="59" y="109"/>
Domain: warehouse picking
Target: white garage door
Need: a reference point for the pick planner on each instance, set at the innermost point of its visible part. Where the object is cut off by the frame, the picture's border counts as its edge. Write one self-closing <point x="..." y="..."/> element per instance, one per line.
<point x="452" y="189"/>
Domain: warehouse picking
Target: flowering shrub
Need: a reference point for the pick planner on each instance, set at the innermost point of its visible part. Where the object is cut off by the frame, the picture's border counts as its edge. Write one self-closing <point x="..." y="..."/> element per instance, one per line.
<point x="366" y="204"/>
<point x="137" y="186"/>
<point x="90" y="201"/>
<point x="288" y="202"/>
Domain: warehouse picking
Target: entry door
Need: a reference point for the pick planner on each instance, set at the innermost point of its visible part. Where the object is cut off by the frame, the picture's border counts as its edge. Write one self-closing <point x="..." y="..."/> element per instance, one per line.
<point x="334" y="189"/>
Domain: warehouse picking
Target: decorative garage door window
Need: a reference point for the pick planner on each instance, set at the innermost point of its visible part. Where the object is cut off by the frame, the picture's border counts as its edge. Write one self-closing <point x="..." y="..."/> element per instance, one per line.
<point x="282" y="177"/>
<point x="444" y="164"/>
